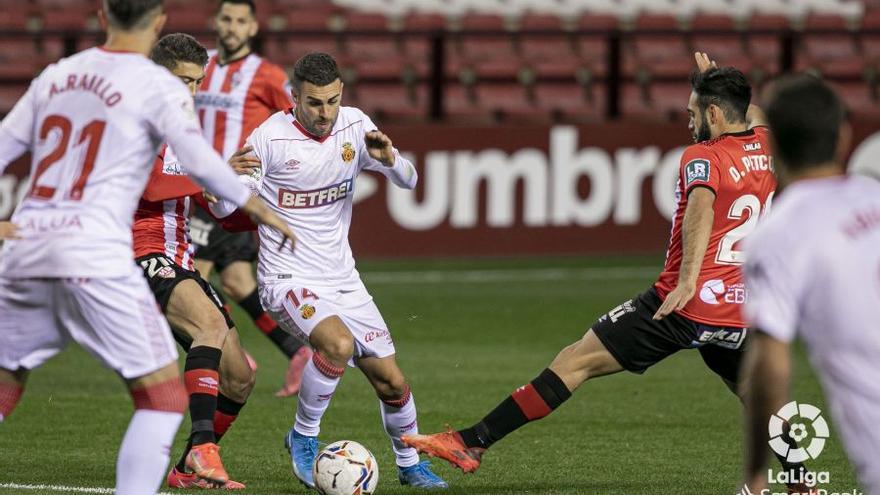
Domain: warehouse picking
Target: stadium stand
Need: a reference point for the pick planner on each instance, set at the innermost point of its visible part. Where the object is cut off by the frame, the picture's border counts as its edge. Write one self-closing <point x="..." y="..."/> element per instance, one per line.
<point x="508" y="60"/>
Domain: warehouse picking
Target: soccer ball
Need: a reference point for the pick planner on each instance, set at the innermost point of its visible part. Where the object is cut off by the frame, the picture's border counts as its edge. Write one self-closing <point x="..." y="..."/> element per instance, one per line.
<point x="345" y="468"/>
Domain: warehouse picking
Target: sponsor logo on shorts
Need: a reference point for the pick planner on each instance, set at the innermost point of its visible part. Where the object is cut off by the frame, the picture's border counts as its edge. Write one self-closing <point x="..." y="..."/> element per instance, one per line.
<point x="307" y="311"/>
<point x="313" y="199"/>
<point x="165" y="272"/>
<point x="696" y="170"/>
<point x="375" y="334"/>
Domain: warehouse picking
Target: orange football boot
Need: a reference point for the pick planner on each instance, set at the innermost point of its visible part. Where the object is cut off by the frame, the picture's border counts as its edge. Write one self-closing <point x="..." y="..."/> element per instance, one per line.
<point x="449" y="447"/>
<point x="204" y="461"/>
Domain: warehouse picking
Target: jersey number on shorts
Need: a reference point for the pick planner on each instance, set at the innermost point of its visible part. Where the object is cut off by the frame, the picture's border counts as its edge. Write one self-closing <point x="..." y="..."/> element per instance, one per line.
<point x="726" y="254"/>
<point x="153" y="265"/>
<point x="92" y="132"/>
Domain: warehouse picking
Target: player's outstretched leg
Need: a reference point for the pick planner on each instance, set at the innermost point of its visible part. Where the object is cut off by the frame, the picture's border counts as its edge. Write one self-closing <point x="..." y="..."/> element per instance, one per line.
<point x="190" y="312"/>
<point x="398" y="410"/>
<point x="334" y="347"/>
<point x="240" y="286"/>
<point x="11" y="389"/>
<point x="159" y="402"/>
<point x="587" y="358"/>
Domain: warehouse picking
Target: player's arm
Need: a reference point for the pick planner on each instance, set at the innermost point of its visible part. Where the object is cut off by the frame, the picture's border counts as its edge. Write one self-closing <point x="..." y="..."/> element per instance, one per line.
<point x="754" y="115"/>
<point x="765" y="389"/>
<point x="385" y="159"/>
<point x="8" y="230"/>
<point x="17" y="129"/>
<point x="695" y="231"/>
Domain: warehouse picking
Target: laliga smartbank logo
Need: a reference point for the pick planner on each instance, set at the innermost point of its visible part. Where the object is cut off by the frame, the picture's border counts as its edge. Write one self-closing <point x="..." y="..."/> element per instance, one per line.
<point x="804" y="440"/>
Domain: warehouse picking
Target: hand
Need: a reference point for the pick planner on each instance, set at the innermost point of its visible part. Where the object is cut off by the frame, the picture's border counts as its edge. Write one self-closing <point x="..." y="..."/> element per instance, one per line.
<point x="8" y="230"/>
<point x="261" y="215"/>
<point x="243" y="163"/>
<point x="675" y="300"/>
<point x="380" y="148"/>
<point x="210" y="198"/>
<point x="703" y="62"/>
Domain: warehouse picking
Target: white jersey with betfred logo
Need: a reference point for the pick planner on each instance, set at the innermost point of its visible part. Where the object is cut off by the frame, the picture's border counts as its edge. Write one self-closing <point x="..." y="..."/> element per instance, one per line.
<point x="94" y="122"/>
<point x="309" y="182"/>
<point x="813" y="271"/>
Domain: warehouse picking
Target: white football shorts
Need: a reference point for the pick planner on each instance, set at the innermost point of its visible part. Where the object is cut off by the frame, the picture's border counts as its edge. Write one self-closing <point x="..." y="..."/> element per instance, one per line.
<point x="299" y="310"/>
<point x="116" y="320"/>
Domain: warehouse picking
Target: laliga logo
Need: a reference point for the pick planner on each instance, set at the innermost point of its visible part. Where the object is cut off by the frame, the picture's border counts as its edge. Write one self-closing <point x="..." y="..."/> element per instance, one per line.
<point x="798" y="431"/>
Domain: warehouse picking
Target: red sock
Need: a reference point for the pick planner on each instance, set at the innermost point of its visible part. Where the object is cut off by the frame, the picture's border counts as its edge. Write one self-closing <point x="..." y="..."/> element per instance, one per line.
<point x="9" y="396"/>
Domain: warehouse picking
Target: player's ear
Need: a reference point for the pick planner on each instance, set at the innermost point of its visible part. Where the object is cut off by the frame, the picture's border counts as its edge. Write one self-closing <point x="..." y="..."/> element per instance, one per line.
<point x="102" y="19"/>
<point x="161" y="19"/>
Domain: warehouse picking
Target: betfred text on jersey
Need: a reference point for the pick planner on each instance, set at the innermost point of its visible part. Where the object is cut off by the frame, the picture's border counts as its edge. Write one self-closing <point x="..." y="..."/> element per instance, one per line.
<point x="316" y="198"/>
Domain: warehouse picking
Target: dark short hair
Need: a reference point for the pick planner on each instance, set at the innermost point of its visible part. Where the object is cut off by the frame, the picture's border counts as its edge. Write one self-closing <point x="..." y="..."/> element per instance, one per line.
<point x="317" y="68"/>
<point x="249" y="3"/>
<point x="805" y="116"/>
<point x="178" y="47"/>
<point x="725" y="87"/>
<point x="128" y="14"/>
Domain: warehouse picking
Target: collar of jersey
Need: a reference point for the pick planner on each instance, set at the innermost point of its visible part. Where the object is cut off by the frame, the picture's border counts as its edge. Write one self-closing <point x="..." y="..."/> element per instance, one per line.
<point x="305" y="131"/>
<point x="747" y="132"/>
<point x="111" y="50"/>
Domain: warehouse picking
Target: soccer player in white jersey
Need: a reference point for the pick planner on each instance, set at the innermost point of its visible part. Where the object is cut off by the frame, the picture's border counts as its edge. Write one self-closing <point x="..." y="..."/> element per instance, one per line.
<point x="813" y="271"/>
<point x="310" y="158"/>
<point x="93" y="122"/>
<point x="241" y="90"/>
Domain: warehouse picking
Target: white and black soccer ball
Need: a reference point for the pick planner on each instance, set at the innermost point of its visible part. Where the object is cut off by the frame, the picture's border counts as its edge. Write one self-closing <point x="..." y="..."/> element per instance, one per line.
<point x="345" y="468"/>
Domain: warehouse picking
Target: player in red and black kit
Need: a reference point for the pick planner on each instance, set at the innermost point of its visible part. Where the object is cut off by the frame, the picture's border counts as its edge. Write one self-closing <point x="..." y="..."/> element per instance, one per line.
<point x="217" y="375"/>
<point x="725" y="182"/>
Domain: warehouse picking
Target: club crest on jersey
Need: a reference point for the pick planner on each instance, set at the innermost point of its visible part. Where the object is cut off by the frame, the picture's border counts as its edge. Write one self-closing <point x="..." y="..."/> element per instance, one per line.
<point x="696" y="170"/>
<point x="236" y="79"/>
<point x="347" y="152"/>
<point x="307" y="311"/>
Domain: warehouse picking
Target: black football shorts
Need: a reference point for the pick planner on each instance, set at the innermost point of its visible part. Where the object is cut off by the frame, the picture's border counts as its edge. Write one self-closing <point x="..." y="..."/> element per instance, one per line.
<point x="219" y="246"/>
<point x="163" y="275"/>
<point x="637" y="341"/>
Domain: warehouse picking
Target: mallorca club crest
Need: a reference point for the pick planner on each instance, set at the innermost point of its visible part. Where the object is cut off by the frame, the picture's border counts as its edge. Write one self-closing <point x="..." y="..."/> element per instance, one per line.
<point x="307" y="311"/>
<point x="347" y="152"/>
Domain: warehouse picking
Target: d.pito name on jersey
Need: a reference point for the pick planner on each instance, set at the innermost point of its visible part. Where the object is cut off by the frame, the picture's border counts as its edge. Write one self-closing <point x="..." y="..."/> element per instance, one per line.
<point x="316" y="198"/>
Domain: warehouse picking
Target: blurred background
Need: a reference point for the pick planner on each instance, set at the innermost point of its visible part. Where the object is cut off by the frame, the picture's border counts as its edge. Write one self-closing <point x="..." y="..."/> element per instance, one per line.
<point x="538" y="127"/>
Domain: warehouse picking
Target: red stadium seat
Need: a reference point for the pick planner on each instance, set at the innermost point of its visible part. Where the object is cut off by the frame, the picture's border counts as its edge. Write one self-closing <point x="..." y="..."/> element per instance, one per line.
<point x="9" y="96"/>
<point x="570" y="102"/>
<point x="393" y="102"/>
<point x="540" y="22"/>
<point x="462" y="106"/>
<point x="832" y="55"/>
<point x="424" y="22"/>
<point x="601" y="22"/>
<point x="858" y="99"/>
<point x="660" y="101"/>
<point x="593" y="52"/>
<point x="661" y="55"/>
<point x="286" y="51"/>
<point x="19" y="58"/>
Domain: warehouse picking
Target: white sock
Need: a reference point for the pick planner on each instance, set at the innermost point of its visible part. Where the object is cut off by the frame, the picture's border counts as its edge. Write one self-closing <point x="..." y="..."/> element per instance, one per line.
<point x="143" y="455"/>
<point x="400" y="421"/>
<point x="314" y="398"/>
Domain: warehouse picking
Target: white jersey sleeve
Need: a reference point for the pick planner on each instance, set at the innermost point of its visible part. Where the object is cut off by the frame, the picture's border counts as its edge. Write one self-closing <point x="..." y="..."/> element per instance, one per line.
<point x="253" y="181"/>
<point x="16" y="131"/>
<point x="174" y="119"/>
<point x="402" y="174"/>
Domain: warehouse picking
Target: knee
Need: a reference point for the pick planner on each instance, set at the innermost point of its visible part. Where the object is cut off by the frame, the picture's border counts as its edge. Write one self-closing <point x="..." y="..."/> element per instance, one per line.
<point x="391" y="388"/>
<point x="211" y="329"/>
<point x="338" y="349"/>
<point x="232" y="287"/>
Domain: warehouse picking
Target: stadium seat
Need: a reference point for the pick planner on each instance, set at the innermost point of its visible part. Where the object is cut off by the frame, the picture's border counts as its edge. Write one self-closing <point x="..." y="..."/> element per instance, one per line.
<point x="286" y="51"/>
<point x="19" y="58"/>
<point x="9" y="96"/>
<point x="593" y="53"/>
<point x="661" y="55"/>
<point x="571" y="102"/>
<point x="832" y="55"/>
<point x="859" y="100"/>
<point x="393" y="103"/>
<point x="658" y="101"/>
<point x="462" y="106"/>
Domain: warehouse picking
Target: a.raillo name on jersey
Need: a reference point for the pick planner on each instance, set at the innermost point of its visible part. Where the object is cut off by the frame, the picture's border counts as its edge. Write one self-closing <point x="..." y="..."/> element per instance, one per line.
<point x="316" y="198"/>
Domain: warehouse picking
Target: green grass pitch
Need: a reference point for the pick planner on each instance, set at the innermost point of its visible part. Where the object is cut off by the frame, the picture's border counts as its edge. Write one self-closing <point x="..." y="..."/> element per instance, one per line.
<point x="467" y="334"/>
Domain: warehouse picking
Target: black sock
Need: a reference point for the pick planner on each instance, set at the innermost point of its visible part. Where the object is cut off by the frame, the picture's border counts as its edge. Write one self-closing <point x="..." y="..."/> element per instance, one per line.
<point x="528" y="403"/>
<point x="202" y="384"/>
<point x="287" y="343"/>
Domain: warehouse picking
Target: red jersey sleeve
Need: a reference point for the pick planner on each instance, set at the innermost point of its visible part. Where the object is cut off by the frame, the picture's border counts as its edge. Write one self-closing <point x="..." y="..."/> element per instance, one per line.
<point x="163" y="186"/>
<point x="699" y="167"/>
<point x="275" y="89"/>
